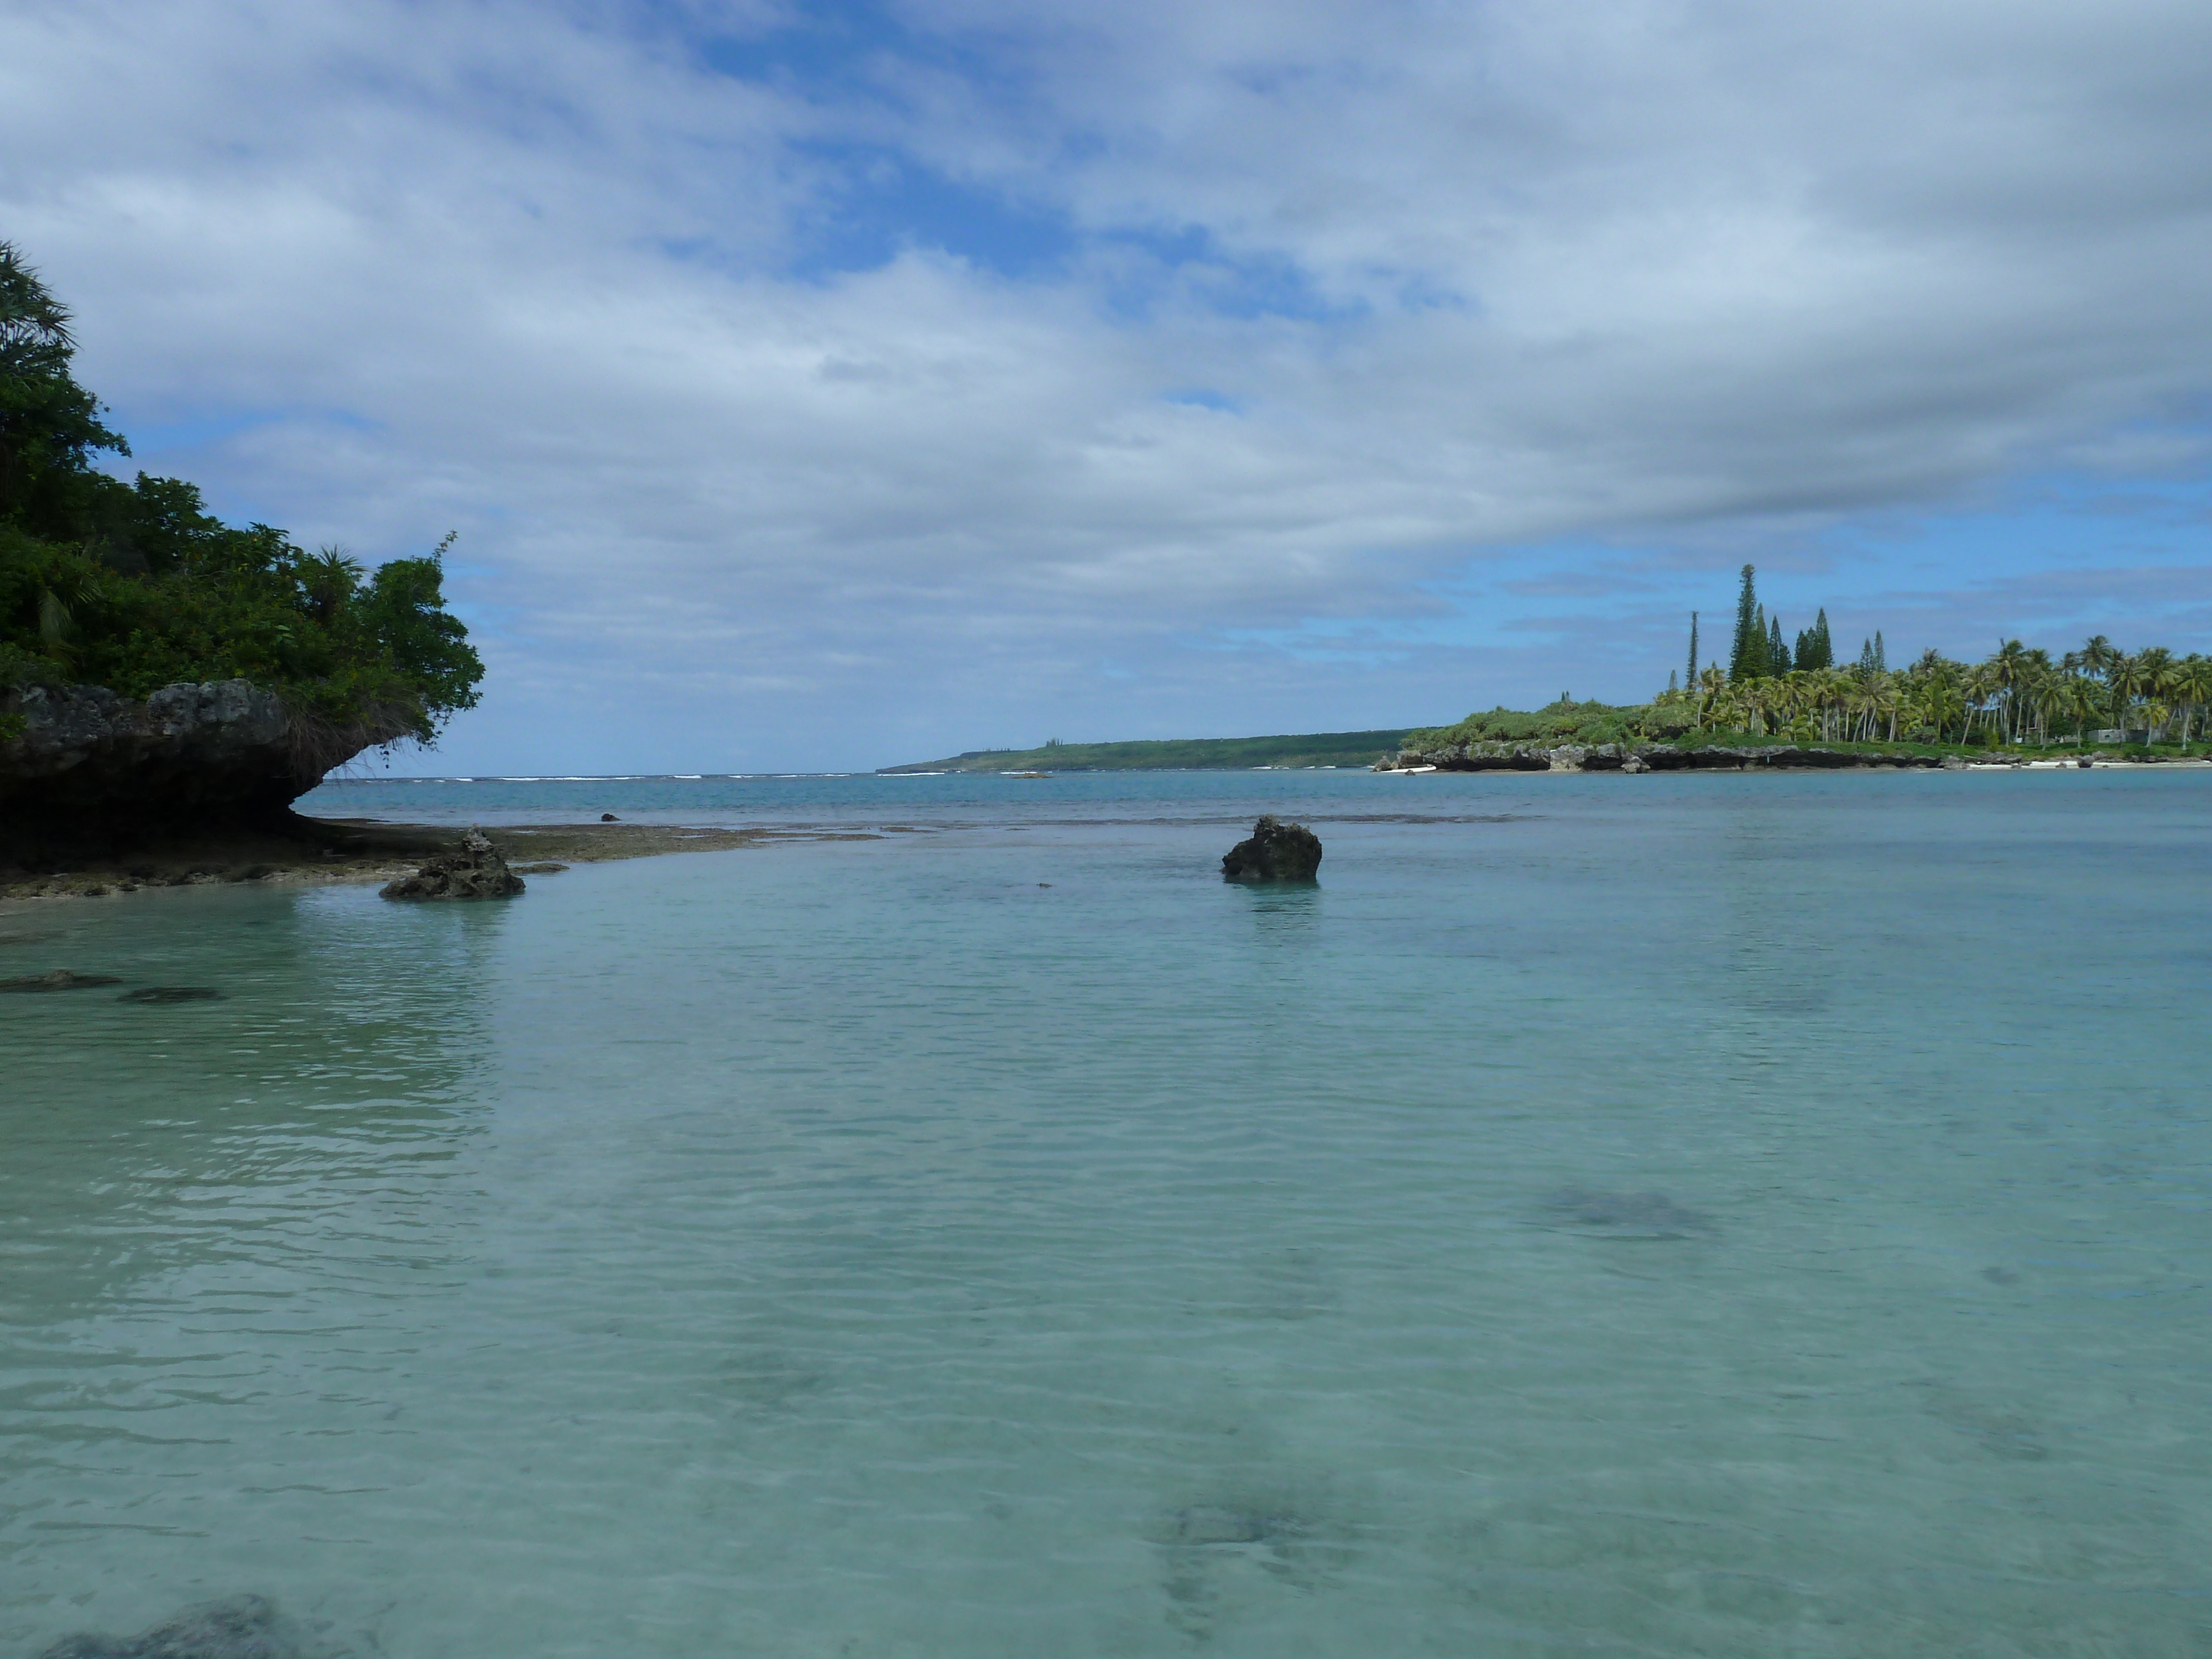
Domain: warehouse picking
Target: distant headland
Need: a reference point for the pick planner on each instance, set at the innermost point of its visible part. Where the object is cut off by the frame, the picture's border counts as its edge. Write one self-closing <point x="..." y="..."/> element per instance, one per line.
<point x="1320" y="749"/>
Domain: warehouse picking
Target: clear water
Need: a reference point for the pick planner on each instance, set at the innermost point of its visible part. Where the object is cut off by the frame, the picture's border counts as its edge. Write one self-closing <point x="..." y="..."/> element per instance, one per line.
<point x="1702" y="1216"/>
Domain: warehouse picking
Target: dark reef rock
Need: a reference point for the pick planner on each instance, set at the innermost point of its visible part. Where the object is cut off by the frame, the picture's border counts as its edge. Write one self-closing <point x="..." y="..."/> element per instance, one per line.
<point x="477" y="872"/>
<point x="238" y="1628"/>
<point x="171" y="993"/>
<point x="83" y="768"/>
<point x="1276" y="852"/>
<point x="60" y="980"/>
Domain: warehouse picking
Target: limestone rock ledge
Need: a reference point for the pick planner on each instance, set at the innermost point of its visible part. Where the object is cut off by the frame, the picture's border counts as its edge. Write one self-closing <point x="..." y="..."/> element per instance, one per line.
<point x="1642" y="757"/>
<point x="81" y="765"/>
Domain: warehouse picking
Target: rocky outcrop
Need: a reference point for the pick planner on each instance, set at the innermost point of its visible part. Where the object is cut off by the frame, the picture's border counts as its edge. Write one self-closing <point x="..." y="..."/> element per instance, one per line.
<point x="1644" y="757"/>
<point x="1274" y="852"/>
<point x="477" y="872"/>
<point x="84" y="768"/>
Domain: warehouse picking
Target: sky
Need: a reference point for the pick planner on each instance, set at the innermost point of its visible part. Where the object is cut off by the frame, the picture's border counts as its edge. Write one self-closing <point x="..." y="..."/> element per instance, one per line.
<point x="825" y="386"/>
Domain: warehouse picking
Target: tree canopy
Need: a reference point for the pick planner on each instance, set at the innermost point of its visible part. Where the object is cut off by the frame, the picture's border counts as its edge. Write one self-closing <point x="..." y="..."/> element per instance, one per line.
<point x="136" y="586"/>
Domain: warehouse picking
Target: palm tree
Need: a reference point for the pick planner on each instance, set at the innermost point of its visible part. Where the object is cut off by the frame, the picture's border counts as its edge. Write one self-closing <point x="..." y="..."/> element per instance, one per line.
<point x="2192" y="685"/>
<point x="2154" y="667"/>
<point x="330" y="578"/>
<point x="2123" y="677"/>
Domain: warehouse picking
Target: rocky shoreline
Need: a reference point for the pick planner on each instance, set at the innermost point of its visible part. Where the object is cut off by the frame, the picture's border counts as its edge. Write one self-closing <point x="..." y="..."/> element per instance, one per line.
<point x="1499" y="756"/>
<point x="320" y="852"/>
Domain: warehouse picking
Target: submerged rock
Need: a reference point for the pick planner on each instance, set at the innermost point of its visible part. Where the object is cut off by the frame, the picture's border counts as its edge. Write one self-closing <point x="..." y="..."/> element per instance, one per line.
<point x="60" y="980"/>
<point x="171" y="993"/>
<point x="1274" y="852"/>
<point x="238" y="1627"/>
<point x="477" y="872"/>
<point x="1628" y="1215"/>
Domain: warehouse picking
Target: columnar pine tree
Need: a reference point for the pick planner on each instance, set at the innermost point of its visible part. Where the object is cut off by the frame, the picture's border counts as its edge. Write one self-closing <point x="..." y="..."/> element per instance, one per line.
<point x="1750" y="633"/>
<point x="1880" y="657"/>
<point x="1814" y="652"/>
<point x="1777" y="653"/>
<point x="1692" y="677"/>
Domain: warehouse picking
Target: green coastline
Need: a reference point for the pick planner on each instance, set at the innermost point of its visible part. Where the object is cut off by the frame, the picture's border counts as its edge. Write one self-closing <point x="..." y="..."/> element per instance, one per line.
<point x="1338" y="748"/>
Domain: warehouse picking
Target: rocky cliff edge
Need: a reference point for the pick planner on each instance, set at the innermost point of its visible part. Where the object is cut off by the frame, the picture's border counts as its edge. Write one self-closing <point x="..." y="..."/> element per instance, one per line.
<point x="80" y="764"/>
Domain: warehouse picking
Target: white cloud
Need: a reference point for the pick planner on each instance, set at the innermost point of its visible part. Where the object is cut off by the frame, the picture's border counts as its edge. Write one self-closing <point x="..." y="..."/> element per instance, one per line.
<point x="1460" y="278"/>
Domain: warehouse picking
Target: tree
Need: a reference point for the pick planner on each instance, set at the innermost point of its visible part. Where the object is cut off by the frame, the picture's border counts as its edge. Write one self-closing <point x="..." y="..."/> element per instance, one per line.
<point x="132" y="586"/>
<point x="50" y="426"/>
<point x="1778" y="654"/>
<point x="1750" y="641"/>
<point x="1691" y="678"/>
<point x="2192" y="687"/>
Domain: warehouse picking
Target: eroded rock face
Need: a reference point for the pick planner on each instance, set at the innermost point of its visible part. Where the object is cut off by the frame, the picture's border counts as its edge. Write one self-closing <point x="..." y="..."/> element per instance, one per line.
<point x="83" y="768"/>
<point x="477" y="872"/>
<point x="1274" y="852"/>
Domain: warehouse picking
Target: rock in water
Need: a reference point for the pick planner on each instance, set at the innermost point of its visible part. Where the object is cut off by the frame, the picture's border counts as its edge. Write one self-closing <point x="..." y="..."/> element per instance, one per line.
<point x="240" y="1627"/>
<point x="477" y="872"/>
<point x="1276" y="851"/>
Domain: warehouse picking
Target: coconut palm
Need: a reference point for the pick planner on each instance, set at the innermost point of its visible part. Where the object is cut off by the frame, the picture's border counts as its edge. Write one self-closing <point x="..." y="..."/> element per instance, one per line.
<point x="2191" y="685"/>
<point x="2154" y="668"/>
<point x="2126" y="682"/>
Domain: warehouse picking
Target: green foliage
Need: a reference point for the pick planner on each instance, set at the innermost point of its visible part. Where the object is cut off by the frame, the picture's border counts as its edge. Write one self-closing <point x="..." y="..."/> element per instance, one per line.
<point x="1177" y="754"/>
<point x="134" y="587"/>
<point x="1815" y="650"/>
<point x="1564" y="722"/>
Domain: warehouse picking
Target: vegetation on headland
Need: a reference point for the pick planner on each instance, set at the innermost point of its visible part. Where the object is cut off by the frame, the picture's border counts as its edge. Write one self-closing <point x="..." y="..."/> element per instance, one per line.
<point x="135" y="585"/>
<point x="2019" y="697"/>
<point x="1177" y="754"/>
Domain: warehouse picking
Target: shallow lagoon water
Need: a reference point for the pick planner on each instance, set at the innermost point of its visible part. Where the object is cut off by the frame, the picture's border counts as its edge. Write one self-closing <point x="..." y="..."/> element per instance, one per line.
<point x="1711" y="1215"/>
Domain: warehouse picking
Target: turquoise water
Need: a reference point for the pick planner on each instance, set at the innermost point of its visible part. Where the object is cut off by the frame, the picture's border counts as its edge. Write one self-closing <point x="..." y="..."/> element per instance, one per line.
<point x="1665" y="1215"/>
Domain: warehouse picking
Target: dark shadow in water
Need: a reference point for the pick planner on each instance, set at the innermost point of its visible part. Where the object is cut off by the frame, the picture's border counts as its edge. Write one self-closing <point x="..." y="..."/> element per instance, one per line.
<point x="1627" y="1215"/>
<point x="237" y="1627"/>
<point x="1285" y="910"/>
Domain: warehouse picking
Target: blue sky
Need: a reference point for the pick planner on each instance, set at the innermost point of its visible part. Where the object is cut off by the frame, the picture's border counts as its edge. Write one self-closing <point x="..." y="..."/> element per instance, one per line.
<point x="835" y="386"/>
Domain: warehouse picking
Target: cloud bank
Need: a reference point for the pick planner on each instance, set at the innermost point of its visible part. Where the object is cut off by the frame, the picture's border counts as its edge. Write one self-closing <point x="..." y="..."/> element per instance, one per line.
<point x="838" y="384"/>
